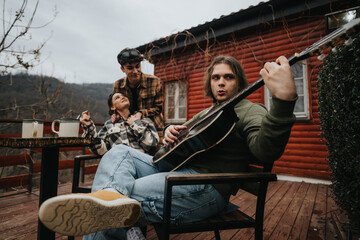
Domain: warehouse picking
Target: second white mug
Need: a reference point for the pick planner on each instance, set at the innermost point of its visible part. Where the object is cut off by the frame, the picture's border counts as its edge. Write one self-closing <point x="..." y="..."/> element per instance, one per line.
<point x="67" y="127"/>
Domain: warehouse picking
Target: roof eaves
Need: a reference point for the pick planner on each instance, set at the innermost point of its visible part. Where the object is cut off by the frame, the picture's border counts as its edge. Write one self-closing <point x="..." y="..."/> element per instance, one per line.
<point x="252" y="16"/>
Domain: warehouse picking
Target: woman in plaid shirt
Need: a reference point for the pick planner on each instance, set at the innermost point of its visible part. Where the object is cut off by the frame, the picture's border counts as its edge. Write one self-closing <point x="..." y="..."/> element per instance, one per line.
<point x="131" y="130"/>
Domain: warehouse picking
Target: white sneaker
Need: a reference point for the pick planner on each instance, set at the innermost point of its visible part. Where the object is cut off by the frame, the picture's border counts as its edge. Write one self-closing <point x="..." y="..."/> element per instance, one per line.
<point x="134" y="233"/>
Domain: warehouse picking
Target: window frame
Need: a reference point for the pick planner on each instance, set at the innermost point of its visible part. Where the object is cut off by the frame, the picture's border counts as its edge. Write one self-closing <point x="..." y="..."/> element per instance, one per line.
<point x="332" y="23"/>
<point x="305" y="115"/>
<point x="176" y="118"/>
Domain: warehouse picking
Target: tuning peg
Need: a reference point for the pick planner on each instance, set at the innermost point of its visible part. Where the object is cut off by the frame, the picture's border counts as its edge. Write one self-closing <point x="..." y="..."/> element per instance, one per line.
<point x="321" y="57"/>
<point x="348" y="41"/>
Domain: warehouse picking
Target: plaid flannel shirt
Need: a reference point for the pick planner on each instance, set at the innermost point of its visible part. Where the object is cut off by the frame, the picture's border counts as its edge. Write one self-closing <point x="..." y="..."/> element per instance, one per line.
<point x="150" y="99"/>
<point x="141" y="135"/>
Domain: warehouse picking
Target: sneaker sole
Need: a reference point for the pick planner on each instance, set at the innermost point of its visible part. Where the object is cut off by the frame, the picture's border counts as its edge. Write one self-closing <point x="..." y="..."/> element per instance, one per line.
<point x="76" y="215"/>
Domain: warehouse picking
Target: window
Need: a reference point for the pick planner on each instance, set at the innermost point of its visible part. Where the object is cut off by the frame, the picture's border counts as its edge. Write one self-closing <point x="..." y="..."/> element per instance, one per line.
<point x="340" y="18"/>
<point x="175" y="102"/>
<point x="301" y="110"/>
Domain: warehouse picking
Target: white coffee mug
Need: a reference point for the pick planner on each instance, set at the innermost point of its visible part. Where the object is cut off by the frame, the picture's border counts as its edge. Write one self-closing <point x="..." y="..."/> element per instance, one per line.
<point x="32" y="128"/>
<point x="67" y="127"/>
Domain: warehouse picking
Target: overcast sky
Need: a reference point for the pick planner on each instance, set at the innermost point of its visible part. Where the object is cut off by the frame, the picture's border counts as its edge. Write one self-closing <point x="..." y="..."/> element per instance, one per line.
<point x="86" y="35"/>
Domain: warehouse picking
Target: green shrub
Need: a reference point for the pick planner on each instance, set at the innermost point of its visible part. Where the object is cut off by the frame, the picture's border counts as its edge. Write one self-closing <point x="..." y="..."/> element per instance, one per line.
<point x="339" y="111"/>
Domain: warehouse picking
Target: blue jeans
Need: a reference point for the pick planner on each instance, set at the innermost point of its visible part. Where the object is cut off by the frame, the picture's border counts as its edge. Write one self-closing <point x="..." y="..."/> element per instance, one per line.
<point x="132" y="173"/>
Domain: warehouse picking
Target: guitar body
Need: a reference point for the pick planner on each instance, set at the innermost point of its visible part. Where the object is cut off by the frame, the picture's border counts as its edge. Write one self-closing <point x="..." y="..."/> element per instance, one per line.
<point x="203" y="135"/>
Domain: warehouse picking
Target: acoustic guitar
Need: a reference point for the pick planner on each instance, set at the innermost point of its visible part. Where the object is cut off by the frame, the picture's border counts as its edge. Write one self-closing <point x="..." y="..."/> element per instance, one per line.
<point x="209" y="130"/>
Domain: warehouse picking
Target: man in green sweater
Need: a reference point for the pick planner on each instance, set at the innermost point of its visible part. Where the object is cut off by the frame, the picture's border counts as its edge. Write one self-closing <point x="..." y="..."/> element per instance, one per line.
<point x="129" y="186"/>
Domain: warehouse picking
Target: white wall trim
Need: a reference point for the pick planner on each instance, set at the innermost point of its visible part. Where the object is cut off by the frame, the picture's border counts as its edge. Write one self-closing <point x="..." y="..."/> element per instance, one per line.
<point x="302" y="179"/>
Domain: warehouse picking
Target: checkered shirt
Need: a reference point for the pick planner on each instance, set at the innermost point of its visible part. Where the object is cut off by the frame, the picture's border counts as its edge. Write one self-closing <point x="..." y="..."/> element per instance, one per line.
<point x="141" y="135"/>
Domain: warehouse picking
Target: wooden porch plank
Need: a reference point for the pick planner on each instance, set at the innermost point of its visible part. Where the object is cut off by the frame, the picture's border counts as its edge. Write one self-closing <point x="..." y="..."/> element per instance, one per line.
<point x="151" y="234"/>
<point x="12" y="200"/>
<point x="301" y="225"/>
<point x="19" y="225"/>
<point x="248" y="233"/>
<point x="18" y="215"/>
<point x="185" y="236"/>
<point x="26" y="236"/>
<point x="278" y="206"/>
<point x="335" y="220"/>
<point x="283" y="228"/>
<point x="330" y="232"/>
<point x="275" y="189"/>
<point x="318" y="217"/>
<point x="245" y="203"/>
<point x="205" y="236"/>
<point x="340" y="222"/>
<point x="20" y="209"/>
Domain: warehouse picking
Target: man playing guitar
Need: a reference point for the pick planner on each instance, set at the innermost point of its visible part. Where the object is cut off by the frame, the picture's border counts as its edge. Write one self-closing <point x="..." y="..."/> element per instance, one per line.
<point x="129" y="187"/>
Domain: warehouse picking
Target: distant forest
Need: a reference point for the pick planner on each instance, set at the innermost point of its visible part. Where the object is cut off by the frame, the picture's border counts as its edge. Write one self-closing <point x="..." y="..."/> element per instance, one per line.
<point x="25" y="96"/>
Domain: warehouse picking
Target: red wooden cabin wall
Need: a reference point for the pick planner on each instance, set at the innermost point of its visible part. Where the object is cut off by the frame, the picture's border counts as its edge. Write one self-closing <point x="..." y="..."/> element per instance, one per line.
<point x="305" y="154"/>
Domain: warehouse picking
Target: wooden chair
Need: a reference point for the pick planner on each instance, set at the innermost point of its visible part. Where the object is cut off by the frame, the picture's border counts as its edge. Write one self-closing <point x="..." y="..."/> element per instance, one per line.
<point x="76" y="176"/>
<point x="254" y="181"/>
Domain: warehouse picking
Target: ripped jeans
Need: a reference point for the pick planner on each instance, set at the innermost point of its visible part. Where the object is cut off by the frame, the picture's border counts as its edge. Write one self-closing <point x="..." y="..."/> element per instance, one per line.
<point x="132" y="173"/>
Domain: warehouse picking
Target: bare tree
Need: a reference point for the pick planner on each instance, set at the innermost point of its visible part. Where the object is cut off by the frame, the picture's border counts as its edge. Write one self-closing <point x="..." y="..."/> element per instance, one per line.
<point x="16" y="25"/>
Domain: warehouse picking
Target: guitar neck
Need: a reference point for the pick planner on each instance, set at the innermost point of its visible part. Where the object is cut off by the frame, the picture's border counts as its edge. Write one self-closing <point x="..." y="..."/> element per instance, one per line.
<point x="314" y="49"/>
<point x="224" y="107"/>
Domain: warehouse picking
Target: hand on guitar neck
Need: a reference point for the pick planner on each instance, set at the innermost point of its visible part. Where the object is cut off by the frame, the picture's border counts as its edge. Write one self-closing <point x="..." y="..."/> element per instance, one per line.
<point x="279" y="79"/>
<point x="170" y="134"/>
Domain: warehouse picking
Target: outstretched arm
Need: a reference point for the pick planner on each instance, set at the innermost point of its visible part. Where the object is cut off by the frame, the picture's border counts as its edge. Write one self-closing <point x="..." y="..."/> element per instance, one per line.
<point x="268" y="133"/>
<point x="279" y="79"/>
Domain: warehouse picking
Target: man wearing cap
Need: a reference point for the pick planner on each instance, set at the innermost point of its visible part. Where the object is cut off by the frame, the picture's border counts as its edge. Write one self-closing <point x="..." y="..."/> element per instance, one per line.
<point x="144" y="90"/>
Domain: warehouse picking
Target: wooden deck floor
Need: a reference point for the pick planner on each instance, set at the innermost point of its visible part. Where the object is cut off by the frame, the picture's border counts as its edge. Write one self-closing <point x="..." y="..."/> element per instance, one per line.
<point x="293" y="210"/>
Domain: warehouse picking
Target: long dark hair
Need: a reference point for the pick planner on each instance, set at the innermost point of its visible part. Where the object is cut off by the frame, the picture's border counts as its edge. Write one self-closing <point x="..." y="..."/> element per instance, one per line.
<point x="235" y="67"/>
<point x="110" y="103"/>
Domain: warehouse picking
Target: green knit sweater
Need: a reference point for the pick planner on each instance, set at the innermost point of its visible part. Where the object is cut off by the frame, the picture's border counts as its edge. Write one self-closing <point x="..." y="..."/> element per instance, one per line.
<point x="257" y="134"/>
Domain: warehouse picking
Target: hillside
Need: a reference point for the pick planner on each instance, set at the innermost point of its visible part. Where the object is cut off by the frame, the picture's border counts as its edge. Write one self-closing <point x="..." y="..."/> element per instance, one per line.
<point x="42" y="97"/>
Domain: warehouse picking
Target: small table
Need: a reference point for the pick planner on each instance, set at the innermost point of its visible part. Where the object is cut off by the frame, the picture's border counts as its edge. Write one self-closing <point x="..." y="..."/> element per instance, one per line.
<point x="49" y="165"/>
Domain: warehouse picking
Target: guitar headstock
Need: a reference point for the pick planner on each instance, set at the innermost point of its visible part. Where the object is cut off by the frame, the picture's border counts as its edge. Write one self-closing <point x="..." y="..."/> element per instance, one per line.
<point x="339" y="35"/>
